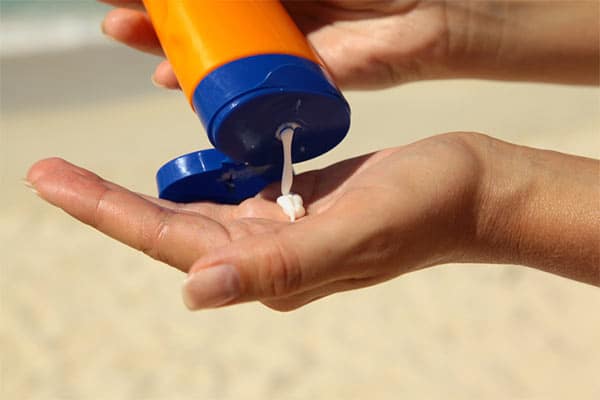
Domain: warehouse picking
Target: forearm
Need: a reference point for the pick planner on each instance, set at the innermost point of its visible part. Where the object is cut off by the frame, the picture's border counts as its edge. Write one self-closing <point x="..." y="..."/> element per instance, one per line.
<point x="538" y="208"/>
<point x="525" y="40"/>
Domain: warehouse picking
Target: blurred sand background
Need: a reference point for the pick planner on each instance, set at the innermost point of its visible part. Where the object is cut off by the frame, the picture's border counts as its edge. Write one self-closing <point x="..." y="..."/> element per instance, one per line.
<point x="84" y="317"/>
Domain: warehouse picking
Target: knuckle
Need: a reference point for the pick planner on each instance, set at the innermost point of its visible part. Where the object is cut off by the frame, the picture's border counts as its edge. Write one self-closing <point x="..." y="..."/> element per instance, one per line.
<point x="281" y="273"/>
<point x="153" y="234"/>
<point x="98" y="219"/>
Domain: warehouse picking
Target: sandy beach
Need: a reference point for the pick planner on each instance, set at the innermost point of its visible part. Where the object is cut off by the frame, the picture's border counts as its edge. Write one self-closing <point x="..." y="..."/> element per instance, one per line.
<point x="84" y="317"/>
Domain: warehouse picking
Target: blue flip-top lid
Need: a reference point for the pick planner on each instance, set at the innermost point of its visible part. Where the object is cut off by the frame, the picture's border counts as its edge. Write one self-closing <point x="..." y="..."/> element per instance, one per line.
<point x="209" y="175"/>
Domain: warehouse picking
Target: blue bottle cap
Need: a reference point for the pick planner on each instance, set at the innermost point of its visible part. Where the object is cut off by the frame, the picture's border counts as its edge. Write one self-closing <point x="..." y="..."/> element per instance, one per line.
<point x="243" y="103"/>
<point x="209" y="175"/>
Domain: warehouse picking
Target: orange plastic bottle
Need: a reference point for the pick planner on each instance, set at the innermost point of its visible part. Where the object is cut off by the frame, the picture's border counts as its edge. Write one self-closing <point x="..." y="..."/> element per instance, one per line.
<point x="249" y="72"/>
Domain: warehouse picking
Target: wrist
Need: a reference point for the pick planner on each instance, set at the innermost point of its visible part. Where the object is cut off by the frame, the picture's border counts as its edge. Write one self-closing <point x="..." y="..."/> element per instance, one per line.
<point x="535" y="208"/>
<point x="525" y="40"/>
<point x="504" y="185"/>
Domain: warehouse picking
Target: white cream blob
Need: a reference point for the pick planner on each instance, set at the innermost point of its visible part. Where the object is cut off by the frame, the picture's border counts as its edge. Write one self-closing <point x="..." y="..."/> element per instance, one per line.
<point x="291" y="203"/>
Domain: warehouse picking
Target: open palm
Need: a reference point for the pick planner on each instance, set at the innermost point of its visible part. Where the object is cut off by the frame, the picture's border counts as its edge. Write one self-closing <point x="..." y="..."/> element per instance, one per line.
<point x="368" y="219"/>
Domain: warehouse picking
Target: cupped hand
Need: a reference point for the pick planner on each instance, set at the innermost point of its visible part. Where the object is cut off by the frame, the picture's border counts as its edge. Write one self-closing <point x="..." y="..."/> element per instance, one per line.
<point x="364" y="43"/>
<point x="369" y="219"/>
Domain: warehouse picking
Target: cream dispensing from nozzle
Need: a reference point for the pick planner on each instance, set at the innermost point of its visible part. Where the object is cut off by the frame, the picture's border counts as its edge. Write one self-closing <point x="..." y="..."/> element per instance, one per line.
<point x="246" y="69"/>
<point x="291" y="203"/>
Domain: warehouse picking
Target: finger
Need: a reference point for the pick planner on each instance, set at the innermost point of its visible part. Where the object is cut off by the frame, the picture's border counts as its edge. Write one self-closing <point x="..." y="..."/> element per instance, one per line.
<point x="219" y="212"/>
<point x="212" y="210"/>
<point x="131" y="4"/>
<point x="164" y="76"/>
<point x="175" y="238"/>
<point x="132" y="28"/>
<point x="297" y="258"/>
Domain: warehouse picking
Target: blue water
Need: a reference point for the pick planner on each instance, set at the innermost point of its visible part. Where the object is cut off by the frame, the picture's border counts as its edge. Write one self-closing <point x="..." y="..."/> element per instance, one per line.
<point x="33" y="26"/>
<point x="25" y="8"/>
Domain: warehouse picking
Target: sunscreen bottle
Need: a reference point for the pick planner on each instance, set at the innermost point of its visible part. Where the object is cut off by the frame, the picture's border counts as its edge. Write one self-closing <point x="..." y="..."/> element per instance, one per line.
<point x="249" y="73"/>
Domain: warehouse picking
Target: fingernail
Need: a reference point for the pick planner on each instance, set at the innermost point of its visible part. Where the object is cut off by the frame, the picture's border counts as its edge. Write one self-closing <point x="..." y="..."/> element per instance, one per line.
<point x="30" y="186"/>
<point x="156" y="84"/>
<point x="211" y="287"/>
<point x="103" y="29"/>
<point x="105" y="33"/>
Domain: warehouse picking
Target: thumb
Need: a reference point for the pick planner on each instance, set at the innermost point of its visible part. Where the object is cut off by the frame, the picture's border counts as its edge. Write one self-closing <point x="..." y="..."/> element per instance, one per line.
<point x="294" y="259"/>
